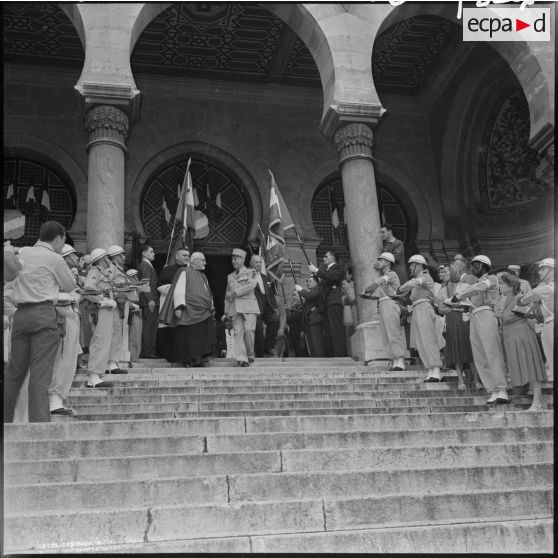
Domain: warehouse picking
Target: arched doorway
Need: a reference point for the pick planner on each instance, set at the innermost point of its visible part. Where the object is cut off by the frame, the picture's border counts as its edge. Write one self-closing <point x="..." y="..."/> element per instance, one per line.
<point x="39" y="193"/>
<point x="328" y="208"/>
<point x="219" y="195"/>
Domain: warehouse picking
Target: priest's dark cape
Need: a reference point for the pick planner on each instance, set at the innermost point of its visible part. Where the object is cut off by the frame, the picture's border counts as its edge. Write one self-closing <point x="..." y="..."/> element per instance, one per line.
<point x="193" y="334"/>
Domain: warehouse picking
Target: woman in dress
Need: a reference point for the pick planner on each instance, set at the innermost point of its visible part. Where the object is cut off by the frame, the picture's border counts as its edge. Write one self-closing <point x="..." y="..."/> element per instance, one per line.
<point x="523" y="354"/>
<point x="458" y="345"/>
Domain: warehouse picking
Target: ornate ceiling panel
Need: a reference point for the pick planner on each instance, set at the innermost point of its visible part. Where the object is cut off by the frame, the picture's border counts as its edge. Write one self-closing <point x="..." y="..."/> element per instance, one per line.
<point x="232" y="41"/>
<point x="407" y="52"/>
<point x="39" y="32"/>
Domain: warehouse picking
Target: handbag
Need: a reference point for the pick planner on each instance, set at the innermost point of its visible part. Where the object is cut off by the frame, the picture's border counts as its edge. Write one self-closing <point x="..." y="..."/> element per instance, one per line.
<point x="348" y="315"/>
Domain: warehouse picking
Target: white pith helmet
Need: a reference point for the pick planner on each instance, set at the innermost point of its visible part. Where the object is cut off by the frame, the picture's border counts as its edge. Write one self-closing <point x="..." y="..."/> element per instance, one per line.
<point x="387" y="256"/>
<point x="115" y="250"/>
<point x="417" y="258"/>
<point x="547" y="262"/>
<point x="67" y="250"/>
<point x="97" y="254"/>
<point x="482" y="259"/>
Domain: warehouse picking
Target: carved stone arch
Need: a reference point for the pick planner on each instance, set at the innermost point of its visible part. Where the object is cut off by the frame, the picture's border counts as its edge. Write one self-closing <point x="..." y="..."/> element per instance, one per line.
<point x="532" y="64"/>
<point x="74" y="15"/>
<point x="176" y="153"/>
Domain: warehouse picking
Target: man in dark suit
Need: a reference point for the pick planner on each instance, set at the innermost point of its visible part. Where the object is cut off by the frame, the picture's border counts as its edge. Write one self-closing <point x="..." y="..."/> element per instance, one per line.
<point x="331" y="275"/>
<point x="269" y="313"/>
<point x="396" y="247"/>
<point x="149" y="303"/>
<point x="314" y="312"/>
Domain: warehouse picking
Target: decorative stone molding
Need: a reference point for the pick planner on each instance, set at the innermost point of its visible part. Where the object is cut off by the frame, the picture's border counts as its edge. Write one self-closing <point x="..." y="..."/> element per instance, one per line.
<point x="107" y="124"/>
<point x="354" y="141"/>
<point x="123" y="97"/>
<point x="346" y="113"/>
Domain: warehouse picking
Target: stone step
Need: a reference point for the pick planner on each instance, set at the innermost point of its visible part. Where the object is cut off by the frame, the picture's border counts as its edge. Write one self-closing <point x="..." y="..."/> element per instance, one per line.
<point x="303" y="460"/>
<point x="508" y="536"/>
<point x="155" y="445"/>
<point x="283" y="403"/>
<point x="78" y="430"/>
<point x="425" y="409"/>
<point x="269" y="487"/>
<point x="265" y="518"/>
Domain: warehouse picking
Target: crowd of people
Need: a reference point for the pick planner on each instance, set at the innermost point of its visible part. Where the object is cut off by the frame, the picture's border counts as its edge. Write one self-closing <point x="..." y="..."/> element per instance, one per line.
<point x="65" y="311"/>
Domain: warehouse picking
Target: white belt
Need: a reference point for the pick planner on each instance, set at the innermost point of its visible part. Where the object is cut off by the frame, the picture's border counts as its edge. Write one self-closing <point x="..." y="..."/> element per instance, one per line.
<point x="479" y="308"/>
<point x="419" y="300"/>
<point x="549" y="319"/>
<point x="384" y="298"/>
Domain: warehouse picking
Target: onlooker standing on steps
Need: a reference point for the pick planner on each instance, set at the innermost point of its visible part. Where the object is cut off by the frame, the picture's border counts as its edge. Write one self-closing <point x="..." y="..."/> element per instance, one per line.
<point x="149" y="302"/>
<point x="523" y="355"/>
<point x="397" y="248"/>
<point x="35" y="333"/>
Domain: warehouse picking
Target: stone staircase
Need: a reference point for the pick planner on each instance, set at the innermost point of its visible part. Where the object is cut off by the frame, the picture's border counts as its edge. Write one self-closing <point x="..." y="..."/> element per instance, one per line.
<point x="294" y="455"/>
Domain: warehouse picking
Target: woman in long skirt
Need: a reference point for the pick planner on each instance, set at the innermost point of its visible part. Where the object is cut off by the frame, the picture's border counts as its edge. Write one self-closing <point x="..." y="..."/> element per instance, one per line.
<point x="523" y="354"/>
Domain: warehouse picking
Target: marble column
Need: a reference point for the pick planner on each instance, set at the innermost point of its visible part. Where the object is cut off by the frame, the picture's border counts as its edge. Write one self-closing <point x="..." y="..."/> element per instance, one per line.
<point x="354" y="144"/>
<point x="107" y="127"/>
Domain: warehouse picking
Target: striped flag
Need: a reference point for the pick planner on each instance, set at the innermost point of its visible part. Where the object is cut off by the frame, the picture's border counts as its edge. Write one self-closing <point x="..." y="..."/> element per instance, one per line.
<point x="45" y="206"/>
<point x="184" y="220"/>
<point x="280" y="220"/>
<point x="166" y="211"/>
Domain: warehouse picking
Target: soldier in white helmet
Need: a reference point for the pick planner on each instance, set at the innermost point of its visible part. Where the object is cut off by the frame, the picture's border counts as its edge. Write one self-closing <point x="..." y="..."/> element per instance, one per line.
<point x="485" y="337"/>
<point x="424" y="327"/>
<point x="385" y="288"/>
<point x="123" y="289"/>
<point x="101" y="345"/>
<point x="66" y="359"/>
<point x="543" y="294"/>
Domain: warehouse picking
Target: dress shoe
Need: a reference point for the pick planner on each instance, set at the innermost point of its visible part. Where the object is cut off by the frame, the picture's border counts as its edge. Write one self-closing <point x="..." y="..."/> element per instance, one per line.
<point x="100" y="385"/>
<point x="396" y="369"/>
<point x="478" y="385"/>
<point x="250" y="359"/>
<point x="492" y="398"/>
<point x="116" y="371"/>
<point x="431" y="379"/>
<point x="62" y="411"/>
<point x="502" y="396"/>
<point x="536" y="407"/>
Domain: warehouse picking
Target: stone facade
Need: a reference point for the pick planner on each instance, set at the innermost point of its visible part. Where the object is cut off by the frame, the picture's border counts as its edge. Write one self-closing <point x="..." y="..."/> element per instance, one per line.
<point x="109" y="129"/>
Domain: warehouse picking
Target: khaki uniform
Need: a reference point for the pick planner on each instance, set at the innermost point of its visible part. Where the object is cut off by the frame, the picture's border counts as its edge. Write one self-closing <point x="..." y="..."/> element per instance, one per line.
<point x="244" y="310"/>
<point x="106" y="341"/>
<point x="485" y="336"/>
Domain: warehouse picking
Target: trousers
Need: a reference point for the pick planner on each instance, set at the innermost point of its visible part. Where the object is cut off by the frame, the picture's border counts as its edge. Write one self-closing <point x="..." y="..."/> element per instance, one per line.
<point x="244" y="327"/>
<point x="134" y="340"/>
<point x="547" y="338"/>
<point x="487" y="350"/>
<point x="100" y="345"/>
<point x="66" y="358"/>
<point x="35" y="340"/>
<point x="391" y="326"/>
<point x="424" y="334"/>
<point x="149" y="331"/>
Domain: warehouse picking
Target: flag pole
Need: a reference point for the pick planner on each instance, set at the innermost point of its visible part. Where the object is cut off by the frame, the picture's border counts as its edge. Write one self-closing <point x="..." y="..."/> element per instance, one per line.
<point x="303" y="312"/>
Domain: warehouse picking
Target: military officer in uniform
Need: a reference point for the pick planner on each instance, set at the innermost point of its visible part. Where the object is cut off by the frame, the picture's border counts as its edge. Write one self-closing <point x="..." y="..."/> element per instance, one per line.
<point x="102" y="345"/>
<point x="385" y="288"/>
<point x="424" y="327"/>
<point x="485" y="336"/>
<point x="242" y="306"/>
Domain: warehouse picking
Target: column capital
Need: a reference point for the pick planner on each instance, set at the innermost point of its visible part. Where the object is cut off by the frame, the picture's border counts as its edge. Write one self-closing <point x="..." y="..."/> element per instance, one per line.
<point x="354" y="141"/>
<point x="124" y="97"/>
<point x="345" y="113"/>
<point x="107" y="124"/>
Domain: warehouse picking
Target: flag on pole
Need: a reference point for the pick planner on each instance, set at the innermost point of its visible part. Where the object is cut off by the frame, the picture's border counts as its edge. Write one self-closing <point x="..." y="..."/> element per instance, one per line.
<point x="30" y="202"/>
<point x="336" y="212"/>
<point x="45" y="206"/>
<point x="184" y="219"/>
<point x="166" y="211"/>
<point x="284" y="213"/>
<point x="10" y="202"/>
<point x="275" y="239"/>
